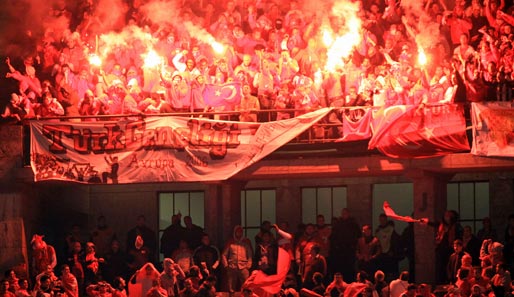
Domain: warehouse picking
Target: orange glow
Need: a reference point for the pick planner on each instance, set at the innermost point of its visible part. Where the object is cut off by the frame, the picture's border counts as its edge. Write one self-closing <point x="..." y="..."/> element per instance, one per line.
<point x="218" y="48"/>
<point x="94" y="60"/>
<point x="422" y="58"/>
<point x="328" y="40"/>
<point x="152" y="59"/>
<point x="343" y="41"/>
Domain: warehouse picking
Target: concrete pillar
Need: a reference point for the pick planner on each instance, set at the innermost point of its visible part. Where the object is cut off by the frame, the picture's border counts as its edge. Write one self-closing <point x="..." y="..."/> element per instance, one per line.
<point x="501" y="204"/>
<point x="212" y="213"/>
<point x="230" y="212"/>
<point x="429" y="202"/>
<point x="360" y="202"/>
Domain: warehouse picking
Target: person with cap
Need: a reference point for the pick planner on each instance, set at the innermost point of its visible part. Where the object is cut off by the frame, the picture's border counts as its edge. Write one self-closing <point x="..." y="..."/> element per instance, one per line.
<point x="237" y="258"/>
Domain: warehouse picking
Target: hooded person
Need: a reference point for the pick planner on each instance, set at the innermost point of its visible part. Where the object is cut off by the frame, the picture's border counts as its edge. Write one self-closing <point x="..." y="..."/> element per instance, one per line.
<point x="43" y="255"/>
<point x="143" y="280"/>
<point x="237" y="258"/>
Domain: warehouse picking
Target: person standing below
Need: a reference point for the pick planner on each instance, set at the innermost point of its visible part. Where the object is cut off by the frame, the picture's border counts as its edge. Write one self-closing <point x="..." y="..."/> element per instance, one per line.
<point x="343" y="245"/>
<point x="237" y="259"/>
<point x="170" y="275"/>
<point x="368" y="248"/>
<point x="193" y="233"/>
<point x="102" y="237"/>
<point x="147" y="234"/>
<point x="501" y="281"/>
<point x="323" y="232"/>
<point x="455" y="261"/>
<point x="400" y="285"/>
<point x="43" y="255"/>
<point x="387" y="260"/>
<point x="315" y="264"/>
<point x="171" y="236"/>
<point x="207" y="254"/>
<point x="208" y="287"/>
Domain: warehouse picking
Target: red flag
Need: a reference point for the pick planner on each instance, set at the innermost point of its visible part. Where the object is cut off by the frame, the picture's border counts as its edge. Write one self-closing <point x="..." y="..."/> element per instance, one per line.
<point x="228" y="94"/>
<point x="356" y="124"/>
<point x="267" y="285"/>
<point x="409" y="132"/>
<point x="389" y="212"/>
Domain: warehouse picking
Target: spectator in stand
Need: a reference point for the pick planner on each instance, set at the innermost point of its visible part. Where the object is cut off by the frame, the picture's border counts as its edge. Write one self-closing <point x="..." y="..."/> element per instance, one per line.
<point x="316" y="263"/>
<point x="381" y="286"/>
<point x="68" y="282"/>
<point x="208" y="288"/>
<point x="10" y="276"/>
<point x="170" y="277"/>
<point x="336" y="287"/>
<point x="92" y="272"/>
<point x="193" y="233"/>
<point x="102" y="236"/>
<point x="487" y="231"/>
<point x="471" y="245"/>
<point x="207" y="255"/>
<point x="147" y="234"/>
<point x="501" y="281"/>
<point x="249" y="106"/>
<point x="455" y="260"/>
<point x="447" y="232"/>
<point x="144" y="278"/>
<point x="265" y="258"/>
<point x="343" y="248"/>
<point x="14" y="109"/>
<point x="115" y="263"/>
<point x="368" y="248"/>
<point x="118" y="286"/>
<point x="50" y="107"/>
<point x="23" y="290"/>
<point x="183" y="256"/>
<point x="390" y="251"/>
<point x="43" y="255"/>
<point x="410" y="291"/>
<point x="237" y="259"/>
<point x="171" y="236"/>
<point x="188" y="290"/>
<point x="398" y="286"/>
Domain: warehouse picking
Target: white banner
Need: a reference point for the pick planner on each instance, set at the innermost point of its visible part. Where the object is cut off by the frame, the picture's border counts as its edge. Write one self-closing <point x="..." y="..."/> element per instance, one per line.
<point x="160" y="149"/>
<point x="493" y="129"/>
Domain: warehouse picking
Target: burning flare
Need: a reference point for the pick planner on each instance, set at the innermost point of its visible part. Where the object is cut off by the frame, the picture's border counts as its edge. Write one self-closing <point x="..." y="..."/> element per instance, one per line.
<point x="218" y="48"/>
<point x="342" y="45"/>
<point x="152" y="59"/>
<point x="422" y="58"/>
<point x="94" y="60"/>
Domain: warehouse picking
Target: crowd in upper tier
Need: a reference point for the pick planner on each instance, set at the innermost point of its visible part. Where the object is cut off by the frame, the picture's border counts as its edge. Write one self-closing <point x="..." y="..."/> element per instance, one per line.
<point x="281" y="53"/>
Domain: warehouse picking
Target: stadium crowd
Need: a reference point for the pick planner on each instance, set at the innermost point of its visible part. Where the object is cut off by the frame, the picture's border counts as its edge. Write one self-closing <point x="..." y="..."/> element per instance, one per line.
<point x="146" y="57"/>
<point x="160" y="56"/>
<point x="341" y="259"/>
